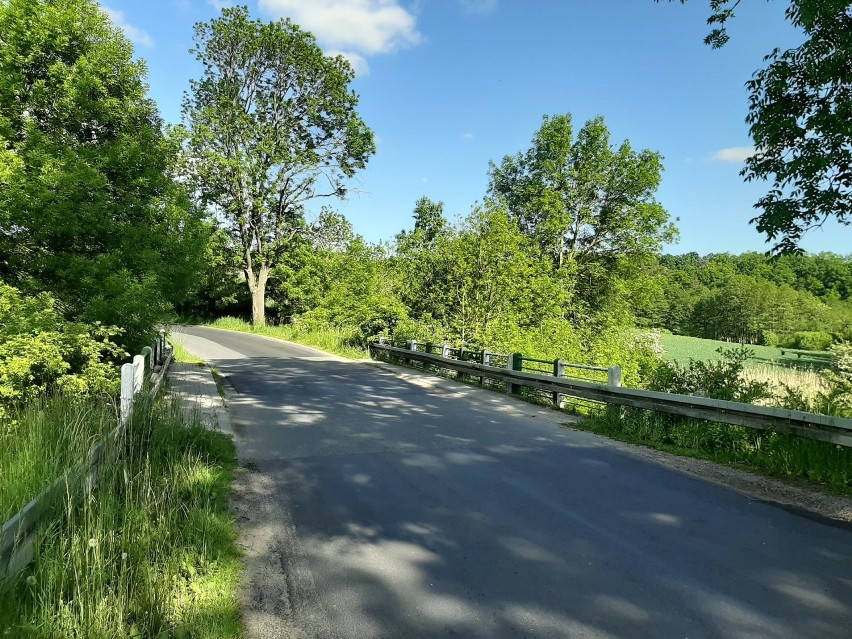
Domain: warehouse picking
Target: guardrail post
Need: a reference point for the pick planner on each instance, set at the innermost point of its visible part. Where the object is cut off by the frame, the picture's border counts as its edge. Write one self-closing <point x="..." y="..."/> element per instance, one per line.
<point x="148" y="357"/>
<point x="127" y="375"/>
<point x="161" y="354"/>
<point x="558" y="371"/>
<point x="485" y="360"/>
<point x="445" y="351"/>
<point x="613" y="380"/>
<point x="381" y="339"/>
<point x="514" y="362"/>
<point x="614" y="377"/>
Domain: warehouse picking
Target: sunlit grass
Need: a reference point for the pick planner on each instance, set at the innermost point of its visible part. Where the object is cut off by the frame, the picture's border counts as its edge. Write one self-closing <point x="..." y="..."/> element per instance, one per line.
<point x="774" y="454"/>
<point x="182" y="355"/>
<point x="682" y="348"/>
<point x="44" y="438"/>
<point x="809" y="383"/>
<point x="331" y="340"/>
<point x="149" y="553"/>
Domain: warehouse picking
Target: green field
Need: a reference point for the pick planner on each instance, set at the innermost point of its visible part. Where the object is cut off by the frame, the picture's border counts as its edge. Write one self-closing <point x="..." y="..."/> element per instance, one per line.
<point x="681" y="349"/>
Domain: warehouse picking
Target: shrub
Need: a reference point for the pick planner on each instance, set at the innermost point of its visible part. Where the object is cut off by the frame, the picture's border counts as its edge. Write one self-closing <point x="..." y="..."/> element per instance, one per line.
<point x="41" y="353"/>
<point x="720" y="379"/>
<point x="771" y="338"/>
<point x="808" y="340"/>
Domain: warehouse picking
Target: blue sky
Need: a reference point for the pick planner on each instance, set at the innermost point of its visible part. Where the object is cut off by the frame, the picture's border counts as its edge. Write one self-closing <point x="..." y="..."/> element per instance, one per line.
<point x="449" y="85"/>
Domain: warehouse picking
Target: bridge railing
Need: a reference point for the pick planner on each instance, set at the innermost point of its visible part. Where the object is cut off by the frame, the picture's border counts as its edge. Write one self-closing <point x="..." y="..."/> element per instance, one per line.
<point x="17" y="536"/>
<point x="827" y="428"/>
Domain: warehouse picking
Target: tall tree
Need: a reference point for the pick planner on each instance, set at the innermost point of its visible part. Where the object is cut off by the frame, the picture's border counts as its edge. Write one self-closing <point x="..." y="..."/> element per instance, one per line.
<point x="581" y="198"/>
<point x="800" y="118"/>
<point x="88" y="209"/>
<point x="272" y="124"/>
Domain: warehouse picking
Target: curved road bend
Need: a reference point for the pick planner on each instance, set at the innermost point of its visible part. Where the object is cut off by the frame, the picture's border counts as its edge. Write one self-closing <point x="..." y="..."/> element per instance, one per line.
<point x="376" y="507"/>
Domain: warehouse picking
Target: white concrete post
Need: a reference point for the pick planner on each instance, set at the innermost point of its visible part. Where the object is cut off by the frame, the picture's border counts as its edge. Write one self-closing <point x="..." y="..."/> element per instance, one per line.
<point x="614" y="377"/>
<point x="126" y="391"/>
<point x="138" y="373"/>
<point x="445" y="351"/>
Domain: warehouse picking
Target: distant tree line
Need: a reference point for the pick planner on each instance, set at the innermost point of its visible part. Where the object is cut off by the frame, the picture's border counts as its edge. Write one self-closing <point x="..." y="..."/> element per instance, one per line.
<point x="798" y="301"/>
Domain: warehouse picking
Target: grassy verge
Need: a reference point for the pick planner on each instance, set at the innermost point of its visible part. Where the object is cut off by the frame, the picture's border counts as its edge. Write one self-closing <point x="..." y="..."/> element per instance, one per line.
<point x="149" y="553"/>
<point x="773" y="454"/>
<point x="40" y="441"/>
<point x="330" y="340"/>
<point x="182" y="355"/>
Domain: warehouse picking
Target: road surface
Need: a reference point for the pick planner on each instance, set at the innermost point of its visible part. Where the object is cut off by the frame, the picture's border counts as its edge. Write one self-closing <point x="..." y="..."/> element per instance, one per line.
<point x="373" y="506"/>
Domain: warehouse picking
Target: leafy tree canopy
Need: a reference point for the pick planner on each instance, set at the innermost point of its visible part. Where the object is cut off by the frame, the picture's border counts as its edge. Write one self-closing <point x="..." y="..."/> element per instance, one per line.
<point x="581" y="198"/>
<point x="800" y="118"/>
<point x="87" y="208"/>
<point x="272" y="124"/>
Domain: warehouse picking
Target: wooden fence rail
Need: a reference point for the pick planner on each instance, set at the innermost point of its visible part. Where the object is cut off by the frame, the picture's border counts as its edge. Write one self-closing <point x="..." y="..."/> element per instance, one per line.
<point x="17" y="536"/>
<point x="827" y="428"/>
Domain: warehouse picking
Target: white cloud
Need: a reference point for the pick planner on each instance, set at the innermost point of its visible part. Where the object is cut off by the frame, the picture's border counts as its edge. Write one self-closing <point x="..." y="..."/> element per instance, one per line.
<point x="467" y="136"/>
<point x="367" y="27"/>
<point x="220" y="4"/>
<point x="134" y="34"/>
<point x="478" y="6"/>
<point x="425" y="180"/>
<point x="738" y="154"/>
<point x="359" y="64"/>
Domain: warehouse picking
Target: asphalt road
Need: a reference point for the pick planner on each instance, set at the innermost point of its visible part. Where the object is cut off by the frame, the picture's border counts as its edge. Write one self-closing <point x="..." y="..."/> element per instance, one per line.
<point x="377" y="507"/>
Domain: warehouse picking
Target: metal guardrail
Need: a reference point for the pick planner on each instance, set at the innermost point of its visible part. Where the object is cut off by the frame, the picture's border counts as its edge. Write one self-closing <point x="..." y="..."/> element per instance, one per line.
<point x="17" y="536"/>
<point x="836" y="430"/>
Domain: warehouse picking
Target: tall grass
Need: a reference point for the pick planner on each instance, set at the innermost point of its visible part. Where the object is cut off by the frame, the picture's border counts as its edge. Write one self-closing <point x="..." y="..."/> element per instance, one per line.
<point x="41" y="440"/>
<point x="182" y="355"/>
<point x="808" y="382"/>
<point x="340" y="341"/>
<point x="775" y="454"/>
<point x="148" y="553"/>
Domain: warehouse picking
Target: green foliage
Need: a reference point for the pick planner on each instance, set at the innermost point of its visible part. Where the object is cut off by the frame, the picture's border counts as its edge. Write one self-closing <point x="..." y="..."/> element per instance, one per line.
<point x="720" y="379"/>
<point x="808" y="340"/>
<point x="429" y="223"/>
<point x="839" y="394"/>
<point x="583" y="199"/>
<point x="799" y="114"/>
<point x="40" y="352"/>
<point x="272" y="122"/>
<point x="87" y="208"/>
<point x="771" y="453"/>
<point x="753" y="299"/>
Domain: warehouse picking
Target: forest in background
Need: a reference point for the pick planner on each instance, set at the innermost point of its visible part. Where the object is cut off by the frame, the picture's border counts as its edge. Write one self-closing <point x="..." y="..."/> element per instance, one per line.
<point x="482" y="282"/>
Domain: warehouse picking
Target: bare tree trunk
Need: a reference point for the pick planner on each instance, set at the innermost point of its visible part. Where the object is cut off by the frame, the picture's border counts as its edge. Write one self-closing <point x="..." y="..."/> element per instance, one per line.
<point x="257" y="287"/>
